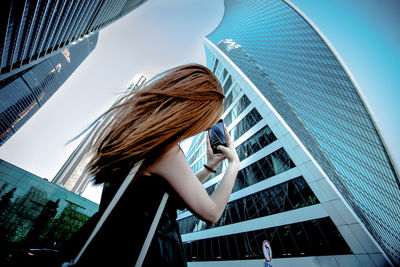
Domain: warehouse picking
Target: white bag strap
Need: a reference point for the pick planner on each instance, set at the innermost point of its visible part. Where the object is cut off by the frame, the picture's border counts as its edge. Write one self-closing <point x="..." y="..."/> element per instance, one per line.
<point x="152" y="230"/>
<point x="113" y="202"/>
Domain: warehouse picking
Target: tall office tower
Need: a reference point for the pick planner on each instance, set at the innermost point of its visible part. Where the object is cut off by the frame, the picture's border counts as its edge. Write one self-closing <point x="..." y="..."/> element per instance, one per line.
<point x="22" y="94"/>
<point x="316" y="179"/>
<point x="73" y="175"/>
<point x="32" y="30"/>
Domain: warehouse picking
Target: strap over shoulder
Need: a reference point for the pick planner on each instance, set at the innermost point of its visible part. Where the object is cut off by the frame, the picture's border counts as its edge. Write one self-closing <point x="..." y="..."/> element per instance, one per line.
<point x="108" y="210"/>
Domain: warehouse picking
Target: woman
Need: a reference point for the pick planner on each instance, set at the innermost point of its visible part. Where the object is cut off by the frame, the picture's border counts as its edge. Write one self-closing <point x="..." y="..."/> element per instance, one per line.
<point x="147" y="126"/>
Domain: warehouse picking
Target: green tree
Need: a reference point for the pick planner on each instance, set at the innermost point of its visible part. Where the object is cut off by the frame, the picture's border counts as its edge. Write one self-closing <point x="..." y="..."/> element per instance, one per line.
<point x="64" y="226"/>
<point x="3" y="187"/>
<point x="6" y="199"/>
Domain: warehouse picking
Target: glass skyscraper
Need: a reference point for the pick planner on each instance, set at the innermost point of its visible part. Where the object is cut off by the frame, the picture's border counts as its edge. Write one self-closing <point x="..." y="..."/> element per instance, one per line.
<point x="316" y="179"/>
<point x="32" y="30"/>
<point x="36" y="43"/>
<point x="22" y="94"/>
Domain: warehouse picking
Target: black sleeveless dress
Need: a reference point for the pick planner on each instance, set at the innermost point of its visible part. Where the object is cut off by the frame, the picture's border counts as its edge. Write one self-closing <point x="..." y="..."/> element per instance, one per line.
<point x="121" y="237"/>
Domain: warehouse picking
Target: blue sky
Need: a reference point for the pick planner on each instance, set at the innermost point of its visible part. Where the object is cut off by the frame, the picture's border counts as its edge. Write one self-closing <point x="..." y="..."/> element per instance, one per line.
<point x="162" y="34"/>
<point x="366" y="35"/>
<point x="156" y="36"/>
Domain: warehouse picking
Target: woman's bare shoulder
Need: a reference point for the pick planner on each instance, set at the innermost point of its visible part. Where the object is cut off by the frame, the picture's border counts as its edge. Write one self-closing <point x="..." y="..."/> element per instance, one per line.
<point x="172" y="156"/>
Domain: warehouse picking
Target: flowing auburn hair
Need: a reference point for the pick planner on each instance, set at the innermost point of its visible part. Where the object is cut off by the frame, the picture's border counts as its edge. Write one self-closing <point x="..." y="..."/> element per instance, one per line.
<point x="176" y="104"/>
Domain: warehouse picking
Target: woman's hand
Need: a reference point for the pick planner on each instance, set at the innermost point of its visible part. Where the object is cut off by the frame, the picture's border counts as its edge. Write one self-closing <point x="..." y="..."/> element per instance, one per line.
<point x="174" y="168"/>
<point x="229" y="150"/>
<point x="213" y="160"/>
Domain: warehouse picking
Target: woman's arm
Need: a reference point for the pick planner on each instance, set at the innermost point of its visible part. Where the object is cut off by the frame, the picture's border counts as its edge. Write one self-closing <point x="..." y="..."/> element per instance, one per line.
<point x="203" y="174"/>
<point x="213" y="161"/>
<point x="173" y="166"/>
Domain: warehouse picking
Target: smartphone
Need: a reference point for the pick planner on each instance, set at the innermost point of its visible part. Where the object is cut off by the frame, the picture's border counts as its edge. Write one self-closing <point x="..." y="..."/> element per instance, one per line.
<point x="217" y="136"/>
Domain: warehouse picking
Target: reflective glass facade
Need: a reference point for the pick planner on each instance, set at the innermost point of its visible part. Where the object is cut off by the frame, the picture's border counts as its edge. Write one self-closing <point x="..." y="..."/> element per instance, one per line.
<point x="266" y="160"/>
<point x="35" y="213"/>
<point x="271" y="165"/>
<point x="31" y="30"/>
<point x="244" y="125"/>
<point x="310" y="238"/>
<point x="280" y="198"/>
<point x="194" y="146"/>
<point x="232" y="96"/>
<point x="24" y="93"/>
<point x="237" y="109"/>
<point x="256" y="142"/>
<point x="286" y="58"/>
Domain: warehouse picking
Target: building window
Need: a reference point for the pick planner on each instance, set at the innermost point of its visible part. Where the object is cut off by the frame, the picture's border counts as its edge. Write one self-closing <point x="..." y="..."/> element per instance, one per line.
<point x="218" y="171"/>
<point x="286" y="196"/>
<point x="273" y="164"/>
<point x="199" y="164"/>
<point x="224" y="73"/>
<point x="243" y="103"/>
<point x="256" y="142"/>
<point x="245" y="124"/>
<point x="197" y="139"/>
<point x="216" y="64"/>
<point x="309" y="238"/>
<point x="227" y="84"/>
<point x="196" y="155"/>
<point x="232" y="96"/>
<point x="218" y="73"/>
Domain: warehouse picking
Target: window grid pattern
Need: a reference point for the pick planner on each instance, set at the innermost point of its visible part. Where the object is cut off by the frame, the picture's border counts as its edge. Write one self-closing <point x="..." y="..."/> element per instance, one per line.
<point x="224" y="73"/>
<point x="227" y="84"/>
<point x="199" y="151"/>
<point x="23" y="95"/>
<point x="318" y="237"/>
<point x="220" y="169"/>
<point x="197" y="139"/>
<point x="199" y="164"/>
<point x="259" y="140"/>
<point x="33" y="29"/>
<point x="232" y="96"/>
<point x="218" y="73"/>
<point x="245" y="124"/>
<point x="210" y="58"/>
<point x="287" y="196"/>
<point x="271" y="165"/>
<point x="302" y="78"/>
<point x="216" y="64"/>
<point x="243" y="103"/>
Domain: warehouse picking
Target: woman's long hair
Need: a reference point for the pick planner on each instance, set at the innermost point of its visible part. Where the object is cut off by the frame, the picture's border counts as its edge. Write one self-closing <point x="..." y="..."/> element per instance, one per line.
<point x="174" y="105"/>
